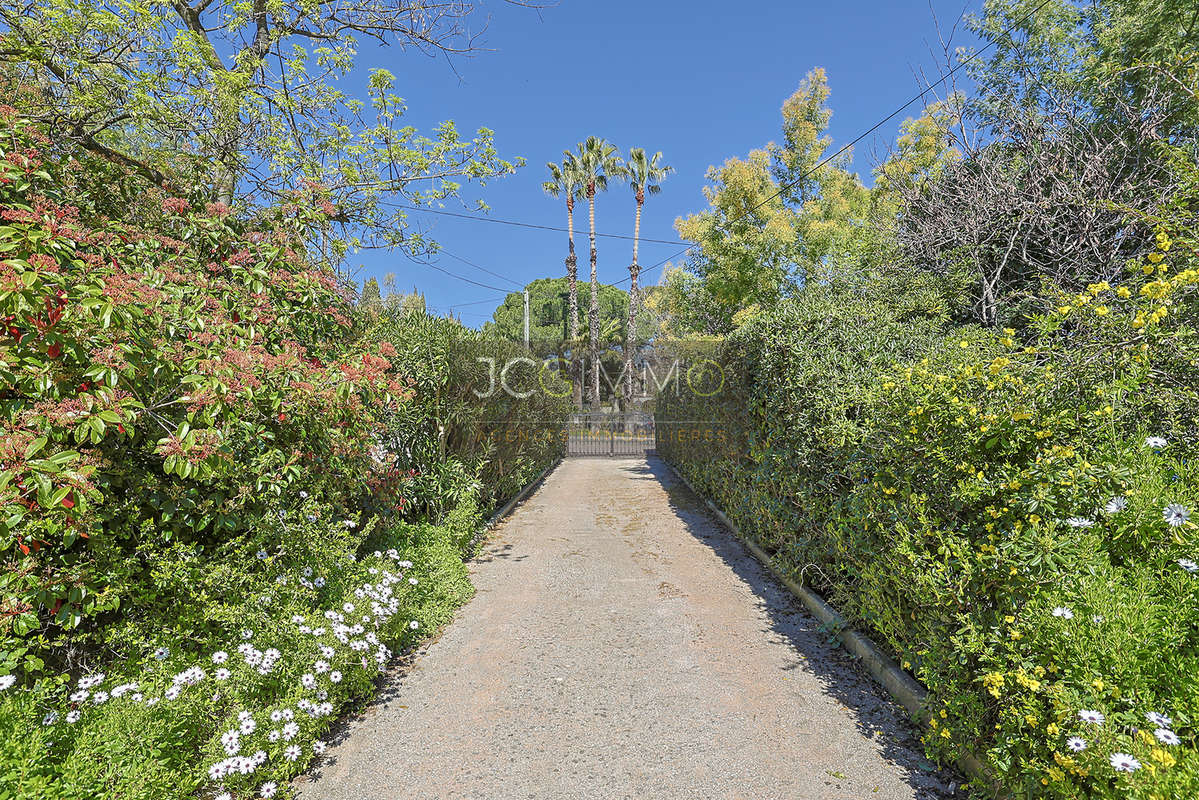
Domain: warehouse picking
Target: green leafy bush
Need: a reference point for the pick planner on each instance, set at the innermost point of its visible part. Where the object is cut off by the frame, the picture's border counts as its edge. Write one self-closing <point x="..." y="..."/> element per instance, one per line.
<point x="463" y="427"/>
<point x="1008" y="512"/>
<point x="211" y="541"/>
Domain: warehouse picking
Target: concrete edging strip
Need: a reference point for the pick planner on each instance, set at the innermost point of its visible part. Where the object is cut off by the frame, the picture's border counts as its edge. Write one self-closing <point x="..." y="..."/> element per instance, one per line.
<point x="521" y="495"/>
<point x="906" y="690"/>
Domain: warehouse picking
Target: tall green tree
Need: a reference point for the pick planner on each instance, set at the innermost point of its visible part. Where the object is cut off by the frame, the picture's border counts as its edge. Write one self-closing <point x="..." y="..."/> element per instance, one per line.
<point x="645" y="177"/>
<point x="566" y="182"/>
<point x="746" y="242"/>
<point x="599" y="163"/>
<point x="371" y="301"/>
<point x="223" y="100"/>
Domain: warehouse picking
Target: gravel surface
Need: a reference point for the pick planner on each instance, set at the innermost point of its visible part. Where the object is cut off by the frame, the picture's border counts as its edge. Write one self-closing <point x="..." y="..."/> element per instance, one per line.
<point x="624" y="645"/>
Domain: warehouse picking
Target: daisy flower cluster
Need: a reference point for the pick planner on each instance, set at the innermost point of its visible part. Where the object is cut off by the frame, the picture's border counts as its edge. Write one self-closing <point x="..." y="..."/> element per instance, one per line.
<point x="1174" y="515"/>
<point x="1125" y="762"/>
<point x="261" y="745"/>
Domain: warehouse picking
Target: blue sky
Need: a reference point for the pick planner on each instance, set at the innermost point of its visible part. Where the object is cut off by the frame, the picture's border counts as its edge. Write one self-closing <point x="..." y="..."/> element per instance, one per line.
<point x="700" y="81"/>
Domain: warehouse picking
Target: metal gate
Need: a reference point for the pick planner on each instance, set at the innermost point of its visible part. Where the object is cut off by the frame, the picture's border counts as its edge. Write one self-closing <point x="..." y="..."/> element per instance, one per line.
<point x="610" y="434"/>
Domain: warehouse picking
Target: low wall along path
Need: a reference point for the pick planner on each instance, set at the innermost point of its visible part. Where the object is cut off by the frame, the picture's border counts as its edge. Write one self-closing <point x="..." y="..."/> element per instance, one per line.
<point x="624" y="645"/>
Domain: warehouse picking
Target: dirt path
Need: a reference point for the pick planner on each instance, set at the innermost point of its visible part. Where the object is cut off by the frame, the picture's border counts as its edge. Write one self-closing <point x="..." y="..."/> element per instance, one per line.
<point x="624" y="645"/>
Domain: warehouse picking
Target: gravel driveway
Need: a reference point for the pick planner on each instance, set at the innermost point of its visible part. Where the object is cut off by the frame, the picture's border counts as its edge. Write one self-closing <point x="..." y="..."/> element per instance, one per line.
<point x="624" y="645"/>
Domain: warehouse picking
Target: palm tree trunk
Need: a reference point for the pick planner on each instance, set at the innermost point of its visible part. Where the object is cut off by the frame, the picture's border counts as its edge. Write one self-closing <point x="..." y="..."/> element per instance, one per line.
<point x="631" y="329"/>
<point x="572" y="274"/>
<point x="593" y="313"/>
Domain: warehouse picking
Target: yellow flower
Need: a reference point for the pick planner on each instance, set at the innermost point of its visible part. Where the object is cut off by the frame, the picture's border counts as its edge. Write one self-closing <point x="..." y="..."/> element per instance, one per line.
<point x="1163" y="757"/>
<point x="1123" y="292"/>
<point x="1101" y="311"/>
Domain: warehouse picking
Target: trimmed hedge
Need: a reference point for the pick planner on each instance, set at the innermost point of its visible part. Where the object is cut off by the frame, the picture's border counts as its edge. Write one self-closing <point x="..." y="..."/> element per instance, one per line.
<point x="1008" y="512"/>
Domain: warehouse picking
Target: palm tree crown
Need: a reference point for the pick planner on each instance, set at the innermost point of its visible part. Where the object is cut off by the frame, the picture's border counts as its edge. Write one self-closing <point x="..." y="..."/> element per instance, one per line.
<point x="646" y="174"/>
<point x="566" y="179"/>
<point x="598" y="161"/>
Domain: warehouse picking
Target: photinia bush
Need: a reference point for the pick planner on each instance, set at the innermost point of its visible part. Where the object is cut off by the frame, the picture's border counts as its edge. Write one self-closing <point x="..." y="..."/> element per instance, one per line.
<point x="162" y="382"/>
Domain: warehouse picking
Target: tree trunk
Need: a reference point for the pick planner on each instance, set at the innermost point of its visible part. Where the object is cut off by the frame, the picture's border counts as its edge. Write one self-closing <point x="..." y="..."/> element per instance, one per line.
<point x="593" y="313"/>
<point x="630" y="334"/>
<point x="572" y="275"/>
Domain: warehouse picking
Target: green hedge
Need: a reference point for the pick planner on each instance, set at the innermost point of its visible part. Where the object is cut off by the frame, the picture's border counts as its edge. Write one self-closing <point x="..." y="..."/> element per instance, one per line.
<point x="993" y="506"/>
<point x="224" y="507"/>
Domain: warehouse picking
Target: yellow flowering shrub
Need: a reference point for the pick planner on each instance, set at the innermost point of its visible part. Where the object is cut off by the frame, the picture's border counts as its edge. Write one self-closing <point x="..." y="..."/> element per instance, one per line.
<point x="1009" y="512"/>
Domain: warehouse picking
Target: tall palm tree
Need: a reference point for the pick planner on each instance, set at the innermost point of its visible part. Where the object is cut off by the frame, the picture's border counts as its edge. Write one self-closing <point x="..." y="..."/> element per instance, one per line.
<point x="566" y="181"/>
<point x="645" y="177"/>
<point x="599" y="162"/>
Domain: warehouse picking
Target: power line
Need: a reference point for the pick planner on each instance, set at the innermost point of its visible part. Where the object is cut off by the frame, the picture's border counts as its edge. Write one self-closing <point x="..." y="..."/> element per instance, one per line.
<point x="463" y="277"/>
<point x="478" y="302"/>
<point x="441" y="249"/>
<point x="850" y="144"/>
<point x="517" y="224"/>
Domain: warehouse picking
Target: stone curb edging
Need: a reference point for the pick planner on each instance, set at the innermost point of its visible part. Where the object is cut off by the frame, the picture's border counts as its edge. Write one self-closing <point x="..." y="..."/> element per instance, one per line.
<point x="495" y="518"/>
<point x="905" y="689"/>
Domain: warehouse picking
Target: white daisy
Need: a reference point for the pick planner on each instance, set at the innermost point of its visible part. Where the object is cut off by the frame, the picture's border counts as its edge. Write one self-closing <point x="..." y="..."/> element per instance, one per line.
<point x="246" y="633"/>
<point x="221" y="674"/>
<point x="290" y="730"/>
<point x="268" y="789"/>
<point x="1093" y="717"/>
<point x="1123" y="762"/>
<point x="73" y="716"/>
<point x="220" y="657"/>
<point x="1175" y="514"/>
<point x="318" y="747"/>
<point x="413" y="624"/>
<point x="1155" y="442"/>
<point x="247" y="726"/>
<point x="1063" y="612"/>
<point x="308" y="680"/>
<point x="1076" y="744"/>
<point x="1166" y="736"/>
<point x="1160" y="720"/>
<point x="1188" y="565"/>
<point x="6" y="681"/>
<point x="162" y="653"/>
<point x="292" y="752"/>
<point x="50" y="718"/>
<point x="262" y="555"/>
<point x="1116" y="505"/>
<point x="1080" y="522"/>
<point x="335" y="677"/>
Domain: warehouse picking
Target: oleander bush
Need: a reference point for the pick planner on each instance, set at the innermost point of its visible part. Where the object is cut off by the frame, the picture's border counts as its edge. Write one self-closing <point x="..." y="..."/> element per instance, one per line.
<point x="211" y="538"/>
<point x="1008" y="511"/>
